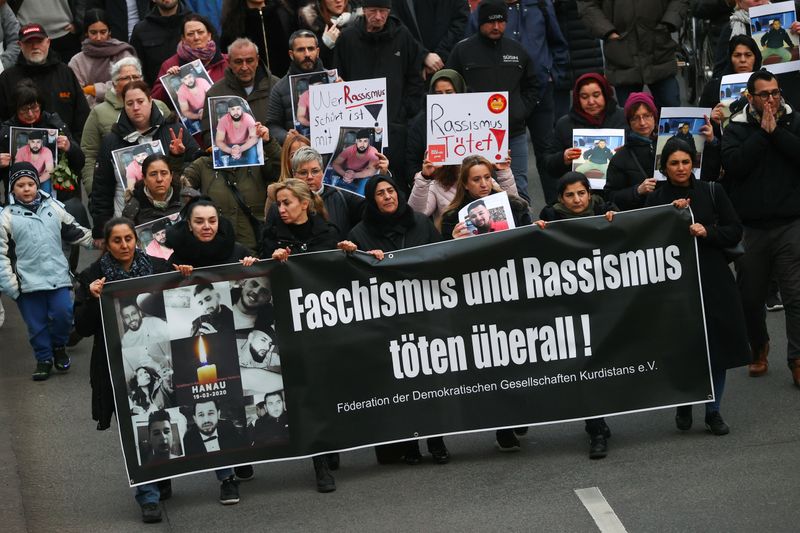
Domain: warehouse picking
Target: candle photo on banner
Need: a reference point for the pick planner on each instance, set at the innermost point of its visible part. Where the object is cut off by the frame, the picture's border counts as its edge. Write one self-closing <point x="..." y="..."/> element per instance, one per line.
<point x="459" y="125"/>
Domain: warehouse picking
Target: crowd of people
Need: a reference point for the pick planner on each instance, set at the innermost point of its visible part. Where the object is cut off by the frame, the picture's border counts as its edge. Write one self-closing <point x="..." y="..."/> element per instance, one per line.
<point x="90" y="72"/>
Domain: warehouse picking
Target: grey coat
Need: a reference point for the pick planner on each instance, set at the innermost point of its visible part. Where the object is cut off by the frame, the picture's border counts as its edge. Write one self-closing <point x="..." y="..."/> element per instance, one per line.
<point x="645" y="52"/>
<point x="9" y="36"/>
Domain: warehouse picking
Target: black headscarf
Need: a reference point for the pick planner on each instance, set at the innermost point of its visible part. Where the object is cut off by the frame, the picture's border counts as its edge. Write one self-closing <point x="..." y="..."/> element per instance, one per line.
<point x="398" y="222"/>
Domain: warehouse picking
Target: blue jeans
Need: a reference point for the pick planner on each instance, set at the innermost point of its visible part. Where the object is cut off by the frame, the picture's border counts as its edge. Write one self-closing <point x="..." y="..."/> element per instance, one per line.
<point x="519" y="163"/>
<point x="48" y="315"/>
<point x="150" y="492"/>
<point x="666" y="92"/>
<point x="718" y="377"/>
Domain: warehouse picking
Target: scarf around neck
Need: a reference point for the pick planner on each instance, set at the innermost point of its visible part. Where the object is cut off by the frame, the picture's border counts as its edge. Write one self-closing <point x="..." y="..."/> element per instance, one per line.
<point x="113" y="271"/>
<point x="157" y="203"/>
<point x="594" y="201"/>
<point x="187" y="54"/>
<point x="740" y="22"/>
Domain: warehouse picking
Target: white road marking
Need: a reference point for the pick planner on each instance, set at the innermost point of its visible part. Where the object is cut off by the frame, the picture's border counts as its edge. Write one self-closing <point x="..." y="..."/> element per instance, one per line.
<point x="602" y="513"/>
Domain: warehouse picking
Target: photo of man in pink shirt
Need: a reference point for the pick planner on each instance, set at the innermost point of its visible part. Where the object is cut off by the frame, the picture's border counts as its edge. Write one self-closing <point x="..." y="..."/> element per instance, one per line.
<point x="235" y="138"/>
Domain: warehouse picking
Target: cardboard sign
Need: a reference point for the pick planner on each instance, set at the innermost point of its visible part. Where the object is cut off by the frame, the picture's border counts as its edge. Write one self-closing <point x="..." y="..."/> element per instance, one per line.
<point x="459" y="125"/>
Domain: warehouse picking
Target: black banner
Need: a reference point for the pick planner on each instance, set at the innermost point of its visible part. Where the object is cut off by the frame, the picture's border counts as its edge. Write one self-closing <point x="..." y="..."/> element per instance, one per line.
<point x="332" y="351"/>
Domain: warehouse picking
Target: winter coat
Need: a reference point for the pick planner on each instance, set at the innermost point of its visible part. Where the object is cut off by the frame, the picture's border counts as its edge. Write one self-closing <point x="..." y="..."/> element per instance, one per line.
<point x="391" y="53"/>
<point x="117" y="15"/>
<point x="519" y="210"/>
<point x="585" y="54"/>
<point x="614" y="118"/>
<point x="436" y="24"/>
<point x="141" y="210"/>
<point x="187" y="250"/>
<point x="371" y="237"/>
<point x="323" y="236"/>
<point x="278" y="19"/>
<point x="9" y="36"/>
<point x="430" y="198"/>
<point x="533" y="24"/>
<point x="101" y="118"/>
<point x="645" y="52"/>
<point x="47" y="120"/>
<point x="229" y="85"/>
<point x="501" y="65"/>
<point x="216" y="71"/>
<point x="107" y="191"/>
<point x="549" y="213"/>
<point x="727" y="334"/>
<point x="88" y="323"/>
<point x="251" y="182"/>
<point x="92" y="66"/>
<point x="279" y="111"/>
<point x="310" y="18"/>
<point x="630" y="166"/>
<point x="30" y="247"/>
<point x="762" y="168"/>
<point x="155" y="39"/>
<point x="59" y="89"/>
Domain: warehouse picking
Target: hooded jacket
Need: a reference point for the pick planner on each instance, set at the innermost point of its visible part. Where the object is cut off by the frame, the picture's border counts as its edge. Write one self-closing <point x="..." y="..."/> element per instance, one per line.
<point x="499" y="65"/>
<point x="106" y="198"/>
<point x="155" y="39"/>
<point x="762" y="167"/>
<point x="645" y="51"/>
<point x="404" y="228"/>
<point x="391" y="53"/>
<point x="279" y="111"/>
<point x="59" y="89"/>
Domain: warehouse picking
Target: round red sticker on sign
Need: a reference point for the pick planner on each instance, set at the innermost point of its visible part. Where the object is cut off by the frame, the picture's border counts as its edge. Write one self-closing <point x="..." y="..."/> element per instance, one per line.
<point x="497" y="103"/>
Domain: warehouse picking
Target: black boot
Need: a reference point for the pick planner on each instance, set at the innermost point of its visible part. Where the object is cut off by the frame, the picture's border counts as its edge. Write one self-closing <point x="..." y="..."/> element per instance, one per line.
<point x="598" y="446"/>
<point x="683" y="417"/>
<point x="325" y="481"/>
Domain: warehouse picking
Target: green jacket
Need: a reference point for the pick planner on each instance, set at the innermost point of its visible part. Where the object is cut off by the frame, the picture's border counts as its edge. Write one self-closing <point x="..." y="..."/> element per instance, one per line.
<point x="101" y="118"/>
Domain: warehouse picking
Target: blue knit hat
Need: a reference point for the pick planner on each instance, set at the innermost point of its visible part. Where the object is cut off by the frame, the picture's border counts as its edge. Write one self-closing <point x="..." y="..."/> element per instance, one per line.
<point x="22" y="169"/>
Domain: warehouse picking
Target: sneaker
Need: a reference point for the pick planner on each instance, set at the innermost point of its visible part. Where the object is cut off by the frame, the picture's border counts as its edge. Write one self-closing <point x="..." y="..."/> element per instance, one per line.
<point x="229" y="491"/>
<point x="412" y="456"/>
<point x="683" y="418"/>
<point x="151" y="513"/>
<point x="440" y="455"/>
<point x="43" y="369"/>
<point x="244" y="473"/>
<point x="716" y="425"/>
<point x="774" y="302"/>
<point x="507" y="441"/>
<point x="62" y="360"/>
<point x="325" y="481"/>
<point x="598" y="446"/>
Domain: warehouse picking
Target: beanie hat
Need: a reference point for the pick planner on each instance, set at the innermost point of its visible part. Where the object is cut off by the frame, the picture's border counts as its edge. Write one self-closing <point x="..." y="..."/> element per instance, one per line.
<point x="492" y="11"/>
<point x="378" y="3"/>
<point x="633" y="102"/>
<point x="22" y="169"/>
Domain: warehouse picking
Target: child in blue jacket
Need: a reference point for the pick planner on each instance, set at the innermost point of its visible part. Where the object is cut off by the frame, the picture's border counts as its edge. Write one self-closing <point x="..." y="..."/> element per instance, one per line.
<point x="33" y="269"/>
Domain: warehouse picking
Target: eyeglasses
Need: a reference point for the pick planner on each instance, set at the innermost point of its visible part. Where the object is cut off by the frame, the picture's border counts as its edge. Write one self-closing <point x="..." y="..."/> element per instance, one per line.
<point x="304" y="173"/>
<point x="132" y="77"/>
<point x="775" y="93"/>
<point x="642" y="118"/>
<point x="29" y="109"/>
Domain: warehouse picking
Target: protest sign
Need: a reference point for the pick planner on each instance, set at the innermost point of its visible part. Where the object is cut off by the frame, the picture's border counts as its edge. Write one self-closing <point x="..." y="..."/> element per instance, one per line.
<point x="355" y="104"/>
<point x="299" y="85"/>
<point x="682" y="123"/>
<point x="769" y="27"/>
<point x="519" y="327"/>
<point x="487" y="215"/>
<point x="233" y="133"/>
<point x="459" y="125"/>
<point x="187" y="92"/>
<point x="597" y="147"/>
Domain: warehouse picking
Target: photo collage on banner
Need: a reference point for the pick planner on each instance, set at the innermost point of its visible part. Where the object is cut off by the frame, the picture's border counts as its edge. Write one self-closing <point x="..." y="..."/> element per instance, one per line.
<point x="233" y="133"/>
<point x="597" y="147"/>
<point x="682" y="123"/>
<point x="36" y="146"/>
<point x="202" y="368"/>
<point x="187" y="91"/>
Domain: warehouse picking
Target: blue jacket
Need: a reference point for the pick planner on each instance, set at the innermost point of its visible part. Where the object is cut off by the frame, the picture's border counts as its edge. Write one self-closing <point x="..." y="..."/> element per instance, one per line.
<point x="539" y="35"/>
<point x="30" y="247"/>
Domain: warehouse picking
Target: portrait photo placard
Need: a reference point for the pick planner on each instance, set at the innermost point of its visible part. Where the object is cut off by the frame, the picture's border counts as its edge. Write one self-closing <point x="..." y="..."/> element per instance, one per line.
<point x="152" y="236"/>
<point x="683" y="123"/>
<point x="128" y="162"/>
<point x="355" y="159"/>
<point x="233" y="133"/>
<point x="488" y="214"/>
<point x="354" y="104"/>
<point x="300" y="96"/>
<point x="460" y="125"/>
<point x="770" y="28"/>
<point x="187" y="91"/>
<point x="37" y="146"/>
<point x="597" y="147"/>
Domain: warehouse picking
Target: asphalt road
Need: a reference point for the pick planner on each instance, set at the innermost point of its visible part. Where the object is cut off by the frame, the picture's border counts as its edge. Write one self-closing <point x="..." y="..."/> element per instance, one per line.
<point x="60" y="474"/>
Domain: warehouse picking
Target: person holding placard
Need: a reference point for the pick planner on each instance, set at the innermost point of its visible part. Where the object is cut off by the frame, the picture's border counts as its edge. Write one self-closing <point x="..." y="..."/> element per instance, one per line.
<point x="156" y="195"/>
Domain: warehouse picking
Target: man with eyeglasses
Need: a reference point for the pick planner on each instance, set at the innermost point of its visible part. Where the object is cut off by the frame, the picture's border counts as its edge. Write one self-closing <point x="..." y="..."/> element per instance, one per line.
<point x="60" y="89"/>
<point x="304" y="53"/>
<point x="761" y="156"/>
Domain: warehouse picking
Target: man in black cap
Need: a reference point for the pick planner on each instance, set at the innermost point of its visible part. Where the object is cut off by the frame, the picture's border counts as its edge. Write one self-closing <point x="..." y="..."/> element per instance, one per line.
<point x="489" y="61"/>
<point x="379" y="46"/>
<point x="63" y="94"/>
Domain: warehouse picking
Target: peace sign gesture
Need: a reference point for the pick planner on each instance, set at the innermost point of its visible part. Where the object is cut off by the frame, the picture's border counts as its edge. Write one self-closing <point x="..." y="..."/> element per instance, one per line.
<point x="176" y="146"/>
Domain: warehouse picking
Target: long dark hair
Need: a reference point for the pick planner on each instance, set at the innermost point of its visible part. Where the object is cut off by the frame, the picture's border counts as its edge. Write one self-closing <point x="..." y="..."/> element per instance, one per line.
<point x="675" y="145"/>
<point x="118" y="221"/>
<point x="139" y="398"/>
<point x="93" y="16"/>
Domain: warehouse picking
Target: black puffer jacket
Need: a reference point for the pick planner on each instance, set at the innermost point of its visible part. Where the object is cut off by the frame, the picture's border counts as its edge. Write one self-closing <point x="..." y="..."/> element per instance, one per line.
<point x="585" y="54"/>
<point x="101" y="203"/>
<point x="391" y="53"/>
<point x="279" y="109"/>
<point x="155" y="39"/>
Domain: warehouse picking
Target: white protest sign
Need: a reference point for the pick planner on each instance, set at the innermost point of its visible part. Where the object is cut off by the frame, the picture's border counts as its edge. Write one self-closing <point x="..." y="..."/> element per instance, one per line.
<point x="352" y="103"/>
<point x="459" y="125"/>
